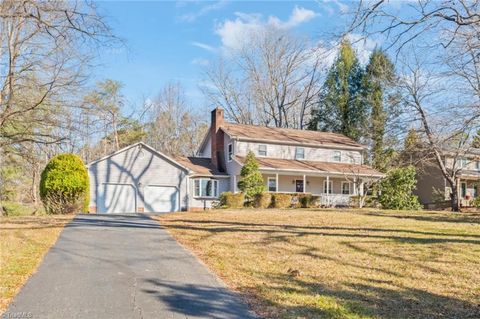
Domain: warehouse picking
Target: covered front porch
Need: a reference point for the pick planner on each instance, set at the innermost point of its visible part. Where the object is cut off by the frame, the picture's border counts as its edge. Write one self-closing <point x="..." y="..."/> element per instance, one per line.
<point x="332" y="190"/>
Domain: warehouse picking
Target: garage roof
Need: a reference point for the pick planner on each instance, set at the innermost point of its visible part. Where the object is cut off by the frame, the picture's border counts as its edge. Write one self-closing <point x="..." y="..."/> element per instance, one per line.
<point x="199" y="165"/>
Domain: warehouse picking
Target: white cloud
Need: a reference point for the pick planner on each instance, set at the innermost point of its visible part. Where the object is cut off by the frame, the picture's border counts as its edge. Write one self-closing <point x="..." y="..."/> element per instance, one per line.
<point x="201" y="62"/>
<point x="234" y="32"/>
<point x="363" y="46"/>
<point x="192" y="16"/>
<point x="332" y="5"/>
<point x="204" y="46"/>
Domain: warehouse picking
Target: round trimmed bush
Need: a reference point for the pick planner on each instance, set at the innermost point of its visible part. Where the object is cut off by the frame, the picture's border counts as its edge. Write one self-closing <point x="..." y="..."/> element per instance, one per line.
<point x="64" y="185"/>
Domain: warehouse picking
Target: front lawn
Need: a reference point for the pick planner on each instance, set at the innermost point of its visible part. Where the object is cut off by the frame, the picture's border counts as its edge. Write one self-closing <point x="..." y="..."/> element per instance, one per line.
<point x="341" y="263"/>
<point x="23" y="242"/>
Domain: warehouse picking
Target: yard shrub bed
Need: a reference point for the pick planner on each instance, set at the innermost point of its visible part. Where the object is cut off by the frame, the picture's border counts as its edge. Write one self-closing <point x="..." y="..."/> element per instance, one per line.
<point x="231" y="200"/>
<point x="263" y="200"/>
<point x="282" y="200"/>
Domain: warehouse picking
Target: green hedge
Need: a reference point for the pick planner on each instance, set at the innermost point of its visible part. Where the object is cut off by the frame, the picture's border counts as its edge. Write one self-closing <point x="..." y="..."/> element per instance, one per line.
<point x="231" y="200"/>
<point x="64" y="185"/>
<point x="263" y="200"/>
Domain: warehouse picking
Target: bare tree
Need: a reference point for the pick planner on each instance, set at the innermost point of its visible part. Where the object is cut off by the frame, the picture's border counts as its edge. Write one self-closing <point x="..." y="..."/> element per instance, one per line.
<point x="45" y="47"/>
<point x="273" y="79"/>
<point x="171" y="124"/>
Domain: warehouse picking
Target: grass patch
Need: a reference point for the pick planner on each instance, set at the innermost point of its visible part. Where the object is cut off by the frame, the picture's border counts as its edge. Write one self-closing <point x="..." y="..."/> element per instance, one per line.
<point x="341" y="263"/>
<point x="19" y="209"/>
<point x="24" y="242"/>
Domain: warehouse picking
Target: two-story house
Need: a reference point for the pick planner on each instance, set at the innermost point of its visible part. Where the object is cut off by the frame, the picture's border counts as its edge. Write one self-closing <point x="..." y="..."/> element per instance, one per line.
<point x="432" y="187"/>
<point x="141" y="179"/>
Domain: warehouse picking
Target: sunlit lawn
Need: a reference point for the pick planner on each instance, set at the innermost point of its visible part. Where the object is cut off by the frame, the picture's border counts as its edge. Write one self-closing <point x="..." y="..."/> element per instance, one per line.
<point x="23" y="243"/>
<point x="341" y="263"/>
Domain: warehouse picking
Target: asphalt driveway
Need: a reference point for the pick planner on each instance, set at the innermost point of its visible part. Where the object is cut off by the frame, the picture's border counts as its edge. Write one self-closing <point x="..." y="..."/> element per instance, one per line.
<point x="123" y="267"/>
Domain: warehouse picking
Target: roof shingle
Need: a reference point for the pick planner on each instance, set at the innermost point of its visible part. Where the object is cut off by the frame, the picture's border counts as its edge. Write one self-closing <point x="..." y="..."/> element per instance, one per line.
<point x="292" y="136"/>
<point x="199" y="165"/>
<point x="315" y="166"/>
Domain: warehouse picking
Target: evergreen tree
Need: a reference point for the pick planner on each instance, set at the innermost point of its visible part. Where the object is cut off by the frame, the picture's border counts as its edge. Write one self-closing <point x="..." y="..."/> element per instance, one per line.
<point x="341" y="108"/>
<point x="379" y="77"/>
<point x="251" y="183"/>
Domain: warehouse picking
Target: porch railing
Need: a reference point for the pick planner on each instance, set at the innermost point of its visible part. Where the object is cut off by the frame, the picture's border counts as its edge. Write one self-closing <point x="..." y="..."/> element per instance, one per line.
<point x="332" y="200"/>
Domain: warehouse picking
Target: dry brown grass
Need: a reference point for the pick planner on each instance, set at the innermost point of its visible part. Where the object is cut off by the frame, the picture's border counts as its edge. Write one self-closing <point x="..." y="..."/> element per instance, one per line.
<point x="341" y="264"/>
<point x="24" y="242"/>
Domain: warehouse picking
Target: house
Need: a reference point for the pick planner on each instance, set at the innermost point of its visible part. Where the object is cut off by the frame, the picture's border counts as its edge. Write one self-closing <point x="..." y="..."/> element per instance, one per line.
<point x="433" y="188"/>
<point x="139" y="178"/>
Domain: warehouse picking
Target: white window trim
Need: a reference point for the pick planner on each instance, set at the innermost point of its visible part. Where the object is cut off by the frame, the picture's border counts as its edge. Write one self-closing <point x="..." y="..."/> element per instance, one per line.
<point x="214" y="194"/>
<point x="296" y="149"/>
<point x="477" y="165"/>
<point x="266" y="150"/>
<point x="268" y="184"/>
<point x="349" y="188"/>
<point x="230" y="155"/>
<point x="330" y="187"/>
<point x="462" y="162"/>
<point x="339" y="152"/>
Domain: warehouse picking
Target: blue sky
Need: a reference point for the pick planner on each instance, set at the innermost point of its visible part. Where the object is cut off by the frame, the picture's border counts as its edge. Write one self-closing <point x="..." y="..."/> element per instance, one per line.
<point x="174" y="40"/>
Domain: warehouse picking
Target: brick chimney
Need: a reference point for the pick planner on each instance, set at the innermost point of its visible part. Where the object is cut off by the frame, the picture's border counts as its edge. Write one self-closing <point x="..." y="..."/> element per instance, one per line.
<point x="218" y="158"/>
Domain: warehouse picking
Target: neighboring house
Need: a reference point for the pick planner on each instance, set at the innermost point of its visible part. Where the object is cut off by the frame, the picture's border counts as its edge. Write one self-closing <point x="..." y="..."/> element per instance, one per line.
<point x="432" y="187"/>
<point x="141" y="179"/>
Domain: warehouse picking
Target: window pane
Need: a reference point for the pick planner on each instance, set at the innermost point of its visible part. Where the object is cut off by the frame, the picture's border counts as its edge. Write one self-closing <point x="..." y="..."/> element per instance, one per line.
<point x="230" y="152"/>
<point x="299" y="153"/>
<point x="345" y="188"/>
<point x="215" y="188"/>
<point x="272" y="185"/>
<point x="262" y="150"/>
<point x="337" y="156"/>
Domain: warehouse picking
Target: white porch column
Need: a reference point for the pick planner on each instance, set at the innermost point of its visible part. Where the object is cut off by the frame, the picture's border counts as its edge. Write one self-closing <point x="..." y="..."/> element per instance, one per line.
<point x="304" y="183"/>
<point x="361" y="188"/>
<point x="327" y="190"/>
<point x="234" y="183"/>
<point x="355" y="190"/>
<point x="276" y="183"/>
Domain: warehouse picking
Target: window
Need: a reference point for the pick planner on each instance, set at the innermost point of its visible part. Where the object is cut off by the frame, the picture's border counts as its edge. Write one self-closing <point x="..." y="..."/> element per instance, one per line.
<point x="462" y="162"/>
<point x="299" y="153"/>
<point x="330" y="186"/>
<point x="475" y="191"/>
<point x="464" y="189"/>
<point x="337" y="156"/>
<point x="345" y="188"/>
<point x="272" y="184"/>
<point x="262" y="150"/>
<point x="477" y="165"/>
<point x="230" y="152"/>
<point x="206" y="188"/>
<point x="299" y="186"/>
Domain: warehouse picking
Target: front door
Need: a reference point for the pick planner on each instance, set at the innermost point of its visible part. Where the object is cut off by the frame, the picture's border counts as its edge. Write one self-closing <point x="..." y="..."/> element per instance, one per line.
<point x="299" y="186"/>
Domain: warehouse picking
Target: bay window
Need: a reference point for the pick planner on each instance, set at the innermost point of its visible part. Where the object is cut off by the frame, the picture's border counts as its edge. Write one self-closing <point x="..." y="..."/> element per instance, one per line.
<point x="205" y="187"/>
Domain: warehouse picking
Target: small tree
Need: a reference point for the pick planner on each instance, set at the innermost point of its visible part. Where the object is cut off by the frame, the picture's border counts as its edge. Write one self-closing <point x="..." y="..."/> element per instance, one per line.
<point x="396" y="189"/>
<point x="64" y="185"/>
<point x="251" y="183"/>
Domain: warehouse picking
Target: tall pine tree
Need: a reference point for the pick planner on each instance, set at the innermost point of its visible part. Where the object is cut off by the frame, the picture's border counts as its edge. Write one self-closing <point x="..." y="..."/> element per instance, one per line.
<point x="379" y="77"/>
<point x="341" y="108"/>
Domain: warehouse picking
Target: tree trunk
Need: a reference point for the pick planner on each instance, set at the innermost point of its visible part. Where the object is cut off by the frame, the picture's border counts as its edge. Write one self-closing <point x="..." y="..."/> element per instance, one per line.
<point x="454" y="199"/>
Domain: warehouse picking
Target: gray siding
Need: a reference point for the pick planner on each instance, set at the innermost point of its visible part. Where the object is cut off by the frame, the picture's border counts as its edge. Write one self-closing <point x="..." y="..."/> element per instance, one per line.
<point x="428" y="178"/>
<point x="138" y="166"/>
<point x="288" y="152"/>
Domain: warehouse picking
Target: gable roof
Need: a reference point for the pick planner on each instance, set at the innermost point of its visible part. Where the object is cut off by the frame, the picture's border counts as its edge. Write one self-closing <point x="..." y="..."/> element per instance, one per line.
<point x="314" y="166"/>
<point x="199" y="165"/>
<point x="143" y="145"/>
<point x="289" y="136"/>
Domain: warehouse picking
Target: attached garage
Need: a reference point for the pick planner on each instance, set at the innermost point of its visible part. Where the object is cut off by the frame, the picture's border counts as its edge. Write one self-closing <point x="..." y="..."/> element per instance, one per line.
<point x="161" y="199"/>
<point x="137" y="179"/>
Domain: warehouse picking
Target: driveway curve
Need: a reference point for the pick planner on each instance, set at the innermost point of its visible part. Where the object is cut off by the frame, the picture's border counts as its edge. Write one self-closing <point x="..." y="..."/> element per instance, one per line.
<point x="123" y="266"/>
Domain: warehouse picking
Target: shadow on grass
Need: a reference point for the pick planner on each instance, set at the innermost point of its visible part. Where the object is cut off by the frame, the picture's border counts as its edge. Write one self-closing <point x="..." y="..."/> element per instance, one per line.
<point x="369" y="300"/>
<point x="472" y="218"/>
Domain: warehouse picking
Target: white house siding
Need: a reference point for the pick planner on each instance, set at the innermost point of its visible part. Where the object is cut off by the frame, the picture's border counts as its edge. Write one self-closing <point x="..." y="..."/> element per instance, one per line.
<point x="314" y="184"/>
<point x="288" y="152"/>
<point x="200" y="203"/>
<point x="134" y="166"/>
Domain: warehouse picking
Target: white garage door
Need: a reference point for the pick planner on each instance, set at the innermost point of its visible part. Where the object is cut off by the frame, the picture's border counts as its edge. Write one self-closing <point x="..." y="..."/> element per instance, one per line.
<point x="160" y="199"/>
<point x="116" y="199"/>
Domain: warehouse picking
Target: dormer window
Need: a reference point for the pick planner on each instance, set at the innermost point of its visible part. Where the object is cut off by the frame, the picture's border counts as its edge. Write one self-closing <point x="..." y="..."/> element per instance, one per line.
<point x="462" y="162"/>
<point x="299" y="153"/>
<point x="262" y="150"/>
<point x="230" y="152"/>
<point x="337" y="156"/>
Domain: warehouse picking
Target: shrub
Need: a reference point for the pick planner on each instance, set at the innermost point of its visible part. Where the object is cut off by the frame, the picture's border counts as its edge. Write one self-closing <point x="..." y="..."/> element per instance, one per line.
<point x="309" y="201"/>
<point x="476" y="202"/>
<point x="64" y="185"/>
<point x="281" y="200"/>
<point x="231" y="200"/>
<point x="262" y="200"/>
<point x="396" y="189"/>
<point x="251" y="183"/>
